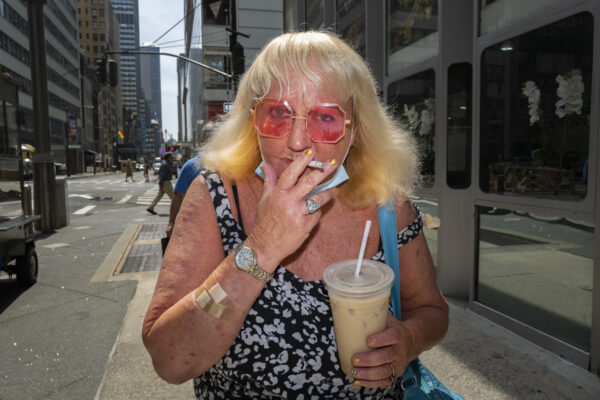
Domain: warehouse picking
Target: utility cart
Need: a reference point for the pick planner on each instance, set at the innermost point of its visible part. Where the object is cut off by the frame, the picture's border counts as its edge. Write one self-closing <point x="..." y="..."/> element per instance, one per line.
<point x="17" y="246"/>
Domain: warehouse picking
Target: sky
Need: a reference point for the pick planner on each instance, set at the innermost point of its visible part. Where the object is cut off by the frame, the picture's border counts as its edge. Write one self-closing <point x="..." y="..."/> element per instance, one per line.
<point x="157" y="17"/>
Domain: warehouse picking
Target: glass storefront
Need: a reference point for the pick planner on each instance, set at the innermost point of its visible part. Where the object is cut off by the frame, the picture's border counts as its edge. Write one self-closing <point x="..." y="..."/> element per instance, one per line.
<point x="412" y="100"/>
<point x="458" y="126"/>
<point x="535" y="111"/>
<point x="412" y="32"/>
<point x="494" y="14"/>
<point x="539" y="270"/>
<point x="351" y="23"/>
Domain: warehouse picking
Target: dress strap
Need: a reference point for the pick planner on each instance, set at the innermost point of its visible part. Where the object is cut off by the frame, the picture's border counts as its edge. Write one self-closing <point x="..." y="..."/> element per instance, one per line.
<point x="236" y="199"/>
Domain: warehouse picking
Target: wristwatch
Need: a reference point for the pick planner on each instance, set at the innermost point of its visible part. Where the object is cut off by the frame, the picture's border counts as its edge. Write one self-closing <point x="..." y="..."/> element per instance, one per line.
<point x="246" y="261"/>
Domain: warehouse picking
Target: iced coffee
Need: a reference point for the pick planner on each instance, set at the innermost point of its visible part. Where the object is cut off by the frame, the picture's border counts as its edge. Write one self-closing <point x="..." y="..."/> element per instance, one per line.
<point x="359" y="304"/>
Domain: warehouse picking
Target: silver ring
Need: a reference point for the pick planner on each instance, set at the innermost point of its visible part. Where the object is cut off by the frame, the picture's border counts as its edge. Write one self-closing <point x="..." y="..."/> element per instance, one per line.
<point x="393" y="375"/>
<point x="311" y="206"/>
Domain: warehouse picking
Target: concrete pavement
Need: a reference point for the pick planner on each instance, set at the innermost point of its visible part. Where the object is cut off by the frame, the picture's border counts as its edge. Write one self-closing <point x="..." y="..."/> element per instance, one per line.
<point x="477" y="359"/>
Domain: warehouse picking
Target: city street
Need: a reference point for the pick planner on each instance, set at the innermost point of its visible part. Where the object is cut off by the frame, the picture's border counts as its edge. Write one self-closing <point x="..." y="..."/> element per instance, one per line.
<point x="57" y="336"/>
<point x="76" y="333"/>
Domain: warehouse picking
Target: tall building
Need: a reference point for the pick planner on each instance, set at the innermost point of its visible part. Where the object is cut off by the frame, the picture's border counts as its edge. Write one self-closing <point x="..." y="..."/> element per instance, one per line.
<point x="205" y="94"/>
<point x="129" y="39"/>
<point x="99" y="34"/>
<point x="151" y="86"/>
<point x="502" y="98"/>
<point x="63" y="72"/>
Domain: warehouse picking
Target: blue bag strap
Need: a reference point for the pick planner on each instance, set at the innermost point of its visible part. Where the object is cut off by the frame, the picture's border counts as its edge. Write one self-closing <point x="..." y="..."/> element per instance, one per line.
<point x="389" y="237"/>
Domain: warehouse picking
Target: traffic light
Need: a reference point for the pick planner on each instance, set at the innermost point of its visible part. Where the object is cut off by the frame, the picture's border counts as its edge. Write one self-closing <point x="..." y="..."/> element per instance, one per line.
<point x="113" y="73"/>
<point x="237" y="59"/>
<point x="101" y="70"/>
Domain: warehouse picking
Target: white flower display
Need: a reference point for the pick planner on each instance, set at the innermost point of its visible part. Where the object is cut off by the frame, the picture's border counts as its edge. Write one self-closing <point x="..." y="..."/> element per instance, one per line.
<point x="569" y="91"/>
<point x="427" y="117"/>
<point x="412" y="116"/>
<point x="533" y="98"/>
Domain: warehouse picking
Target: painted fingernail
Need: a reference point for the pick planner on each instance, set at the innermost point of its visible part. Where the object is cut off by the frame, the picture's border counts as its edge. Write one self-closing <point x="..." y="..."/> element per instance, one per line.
<point x="308" y="152"/>
<point x="355" y="361"/>
<point x="332" y="161"/>
<point x="370" y="342"/>
<point x="354" y="372"/>
<point x="357" y="383"/>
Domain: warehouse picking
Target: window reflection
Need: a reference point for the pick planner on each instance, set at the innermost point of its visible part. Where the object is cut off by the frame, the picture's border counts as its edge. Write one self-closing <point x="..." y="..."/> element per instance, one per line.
<point x="459" y="126"/>
<point x="412" y="100"/>
<point x="494" y="14"/>
<point x="315" y="12"/>
<point x="539" y="270"/>
<point x="412" y="32"/>
<point x="535" y="111"/>
<point x="351" y="23"/>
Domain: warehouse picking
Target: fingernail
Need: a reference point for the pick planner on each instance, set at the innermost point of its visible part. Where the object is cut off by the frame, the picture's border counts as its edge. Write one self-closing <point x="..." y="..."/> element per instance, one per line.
<point x="308" y="152"/>
<point x="357" y="383"/>
<point x="370" y="342"/>
<point x="354" y="372"/>
<point x="355" y="361"/>
<point x="332" y="161"/>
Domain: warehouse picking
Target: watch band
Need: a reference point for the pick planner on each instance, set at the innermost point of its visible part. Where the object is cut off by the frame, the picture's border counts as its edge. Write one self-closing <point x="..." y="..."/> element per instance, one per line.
<point x="260" y="274"/>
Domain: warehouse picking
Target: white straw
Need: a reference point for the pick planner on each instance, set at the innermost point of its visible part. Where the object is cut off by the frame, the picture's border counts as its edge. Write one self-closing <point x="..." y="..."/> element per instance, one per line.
<point x="362" y="248"/>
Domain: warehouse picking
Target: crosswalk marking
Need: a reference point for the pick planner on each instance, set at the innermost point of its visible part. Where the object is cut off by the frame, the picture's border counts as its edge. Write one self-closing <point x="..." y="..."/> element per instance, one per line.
<point x="84" y="210"/>
<point x="85" y="196"/>
<point x="124" y="199"/>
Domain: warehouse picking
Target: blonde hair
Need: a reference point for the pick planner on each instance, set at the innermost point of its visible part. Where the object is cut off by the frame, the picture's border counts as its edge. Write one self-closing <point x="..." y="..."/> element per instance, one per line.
<point x="383" y="161"/>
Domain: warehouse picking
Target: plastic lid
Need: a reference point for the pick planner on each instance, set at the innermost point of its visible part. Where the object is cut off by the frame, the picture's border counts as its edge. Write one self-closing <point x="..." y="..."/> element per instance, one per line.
<point x="374" y="277"/>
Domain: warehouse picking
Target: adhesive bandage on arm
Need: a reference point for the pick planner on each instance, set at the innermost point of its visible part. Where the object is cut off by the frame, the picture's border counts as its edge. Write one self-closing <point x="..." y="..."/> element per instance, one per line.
<point x="210" y="301"/>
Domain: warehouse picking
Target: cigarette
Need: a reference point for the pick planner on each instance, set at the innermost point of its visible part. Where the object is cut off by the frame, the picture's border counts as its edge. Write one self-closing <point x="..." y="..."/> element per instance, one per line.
<point x="316" y="164"/>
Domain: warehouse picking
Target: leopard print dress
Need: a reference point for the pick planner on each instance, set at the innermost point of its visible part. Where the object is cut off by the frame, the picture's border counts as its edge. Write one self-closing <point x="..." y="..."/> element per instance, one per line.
<point x="286" y="347"/>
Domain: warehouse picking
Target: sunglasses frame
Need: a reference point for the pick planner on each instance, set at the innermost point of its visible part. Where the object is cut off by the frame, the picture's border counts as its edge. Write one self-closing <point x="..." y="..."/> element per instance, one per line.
<point x="294" y="116"/>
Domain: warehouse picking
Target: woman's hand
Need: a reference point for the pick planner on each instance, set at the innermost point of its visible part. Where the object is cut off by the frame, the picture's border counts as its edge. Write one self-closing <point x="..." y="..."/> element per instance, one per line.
<point x="388" y="359"/>
<point x="282" y="221"/>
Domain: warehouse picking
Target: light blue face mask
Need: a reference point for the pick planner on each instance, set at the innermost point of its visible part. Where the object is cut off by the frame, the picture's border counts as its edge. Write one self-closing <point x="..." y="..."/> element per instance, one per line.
<point x="340" y="177"/>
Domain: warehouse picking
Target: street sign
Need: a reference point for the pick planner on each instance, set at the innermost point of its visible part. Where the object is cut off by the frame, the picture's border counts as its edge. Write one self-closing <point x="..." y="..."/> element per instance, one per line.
<point x="227" y="106"/>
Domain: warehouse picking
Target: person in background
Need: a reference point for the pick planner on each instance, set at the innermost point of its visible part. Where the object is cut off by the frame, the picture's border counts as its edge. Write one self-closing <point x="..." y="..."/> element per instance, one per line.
<point x="165" y="173"/>
<point x="146" y="170"/>
<point x="240" y="305"/>
<point x="191" y="169"/>
<point x="129" y="170"/>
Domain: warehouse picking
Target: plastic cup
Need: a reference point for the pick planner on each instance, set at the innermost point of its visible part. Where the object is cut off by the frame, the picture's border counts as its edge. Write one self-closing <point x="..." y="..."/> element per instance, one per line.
<point x="359" y="304"/>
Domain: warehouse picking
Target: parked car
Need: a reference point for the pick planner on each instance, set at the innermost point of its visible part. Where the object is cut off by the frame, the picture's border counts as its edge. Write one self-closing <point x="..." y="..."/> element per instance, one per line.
<point x="156" y="167"/>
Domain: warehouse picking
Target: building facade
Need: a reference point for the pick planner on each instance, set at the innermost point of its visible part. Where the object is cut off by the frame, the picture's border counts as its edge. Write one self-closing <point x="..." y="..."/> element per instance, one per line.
<point x="63" y="73"/>
<point x="151" y="87"/>
<point x="127" y="13"/>
<point x="98" y="35"/>
<point x="206" y="94"/>
<point x="499" y="95"/>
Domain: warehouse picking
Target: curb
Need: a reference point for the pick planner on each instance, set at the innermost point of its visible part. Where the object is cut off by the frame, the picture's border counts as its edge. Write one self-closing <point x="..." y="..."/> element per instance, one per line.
<point x="115" y="259"/>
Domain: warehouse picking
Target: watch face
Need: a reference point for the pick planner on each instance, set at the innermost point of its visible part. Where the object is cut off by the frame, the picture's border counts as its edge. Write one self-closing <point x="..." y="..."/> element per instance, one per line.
<point x="244" y="258"/>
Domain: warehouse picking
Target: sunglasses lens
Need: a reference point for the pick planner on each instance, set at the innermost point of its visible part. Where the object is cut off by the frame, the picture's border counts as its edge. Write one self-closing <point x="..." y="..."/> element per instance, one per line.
<point x="326" y="123"/>
<point x="272" y="119"/>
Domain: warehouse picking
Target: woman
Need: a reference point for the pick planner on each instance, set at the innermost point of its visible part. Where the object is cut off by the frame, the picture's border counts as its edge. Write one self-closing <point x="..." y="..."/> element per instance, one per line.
<point x="307" y="97"/>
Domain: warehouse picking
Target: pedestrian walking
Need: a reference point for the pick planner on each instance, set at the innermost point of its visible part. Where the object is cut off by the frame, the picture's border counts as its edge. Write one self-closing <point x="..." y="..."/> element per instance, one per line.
<point x="146" y="169"/>
<point x="191" y="169"/>
<point x="164" y="182"/>
<point x="129" y="170"/>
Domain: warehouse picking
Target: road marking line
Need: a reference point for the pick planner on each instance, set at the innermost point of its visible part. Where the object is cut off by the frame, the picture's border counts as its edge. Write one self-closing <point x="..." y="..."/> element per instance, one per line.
<point x="85" y="196"/>
<point x="124" y="199"/>
<point x="84" y="210"/>
<point x="55" y="245"/>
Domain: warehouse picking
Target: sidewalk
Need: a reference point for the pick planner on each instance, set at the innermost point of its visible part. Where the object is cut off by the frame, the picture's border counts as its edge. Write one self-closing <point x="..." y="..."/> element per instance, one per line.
<point x="477" y="359"/>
